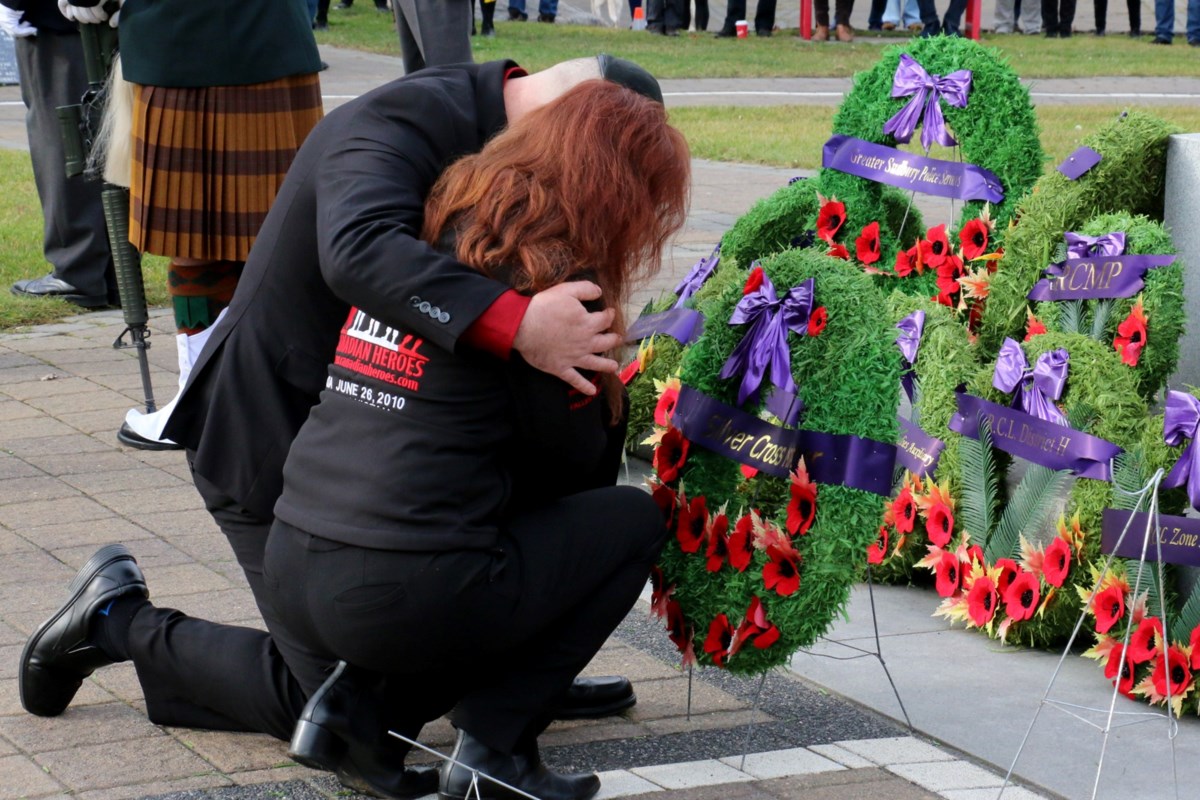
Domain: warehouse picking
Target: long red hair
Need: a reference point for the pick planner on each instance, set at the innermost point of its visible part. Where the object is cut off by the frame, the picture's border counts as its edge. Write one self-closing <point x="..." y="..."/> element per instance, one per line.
<point x="592" y="184"/>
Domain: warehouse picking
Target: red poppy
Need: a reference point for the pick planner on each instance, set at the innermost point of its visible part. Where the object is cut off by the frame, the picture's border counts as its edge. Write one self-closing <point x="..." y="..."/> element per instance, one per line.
<point x="677" y="628"/>
<point x="817" y="320"/>
<point x="1021" y="599"/>
<point x="748" y="472"/>
<point x="838" y="250"/>
<point x="1008" y="571"/>
<point x="905" y="511"/>
<point x="949" y="272"/>
<point x="1033" y="326"/>
<point x="693" y="522"/>
<point x="755" y="628"/>
<point x="782" y="572"/>
<point x="1118" y="656"/>
<point x="741" y="544"/>
<point x="1194" y="643"/>
<point x="974" y="555"/>
<point x="802" y="508"/>
<point x="670" y="455"/>
<point x="666" y="404"/>
<point x="1108" y="606"/>
<point x="630" y="371"/>
<point x="909" y="261"/>
<point x="949" y="574"/>
<point x="664" y="496"/>
<point x="1142" y="645"/>
<point x="866" y="246"/>
<point x="660" y="593"/>
<point x="877" y="551"/>
<point x="1057" y="562"/>
<point x="936" y="247"/>
<point x="1176" y="664"/>
<point x="1131" y="335"/>
<point x="718" y="542"/>
<point x="754" y="281"/>
<point x="830" y="219"/>
<point x="939" y="523"/>
<point x="974" y="239"/>
<point x="720" y="636"/>
<point x="981" y="600"/>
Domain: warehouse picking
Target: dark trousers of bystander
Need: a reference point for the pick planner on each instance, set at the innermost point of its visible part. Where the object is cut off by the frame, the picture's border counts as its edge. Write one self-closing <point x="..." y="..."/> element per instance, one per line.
<point x="75" y="239"/>
<point x="1058" y="17"/>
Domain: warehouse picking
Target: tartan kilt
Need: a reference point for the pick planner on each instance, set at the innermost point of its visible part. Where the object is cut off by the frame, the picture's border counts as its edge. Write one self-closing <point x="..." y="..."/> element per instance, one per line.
<point x="208" y="162"/>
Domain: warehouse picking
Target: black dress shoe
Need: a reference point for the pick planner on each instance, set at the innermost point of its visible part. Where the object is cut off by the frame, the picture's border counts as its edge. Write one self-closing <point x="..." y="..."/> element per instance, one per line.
<point x="50" y="286"/>
<point x="725" y="33"/>
<point x="521" y="771"/>
<point x="1160" y="40"/>
<point x="517" y="16"/>
<point x="328" y="736"/>
<point x="590" y="698"/>
<point x="59" y="656"/>
<point x="131" y="438"/>
<point x="545" y="18"/>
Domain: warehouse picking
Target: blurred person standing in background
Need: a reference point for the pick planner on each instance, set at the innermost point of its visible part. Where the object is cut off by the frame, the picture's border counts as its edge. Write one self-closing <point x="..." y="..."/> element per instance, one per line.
<point x="75" y="239"/>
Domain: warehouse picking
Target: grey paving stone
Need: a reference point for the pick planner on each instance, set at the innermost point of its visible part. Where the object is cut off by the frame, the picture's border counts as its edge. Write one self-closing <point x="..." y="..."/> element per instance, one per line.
<point x="13" y="467"/>
<point x="131" y="503"/>
<point x="11" y="410"/>
<point x="150" y="553"/>
<point x="841" y="755"/>
<point x="12" y="543"/>
<point x="896" y="750"/>
<point x="20" y="777"/>
<point x="229" y="754"/>
<point x="126" y="764"/>
<point x="45" y="386"/>
<point x="93" y="533"/>
<point x="137" y="479"/>
<point x="96" y="458"/>
<point x="78" y="726"/>
<point x="782" y="763"/>
<point x="71" y="445"/>
<point x="21" y="566"/>
<point x="939" y="776"/>
<point x="33" y="427"/>
<point x="183" y="579"/>
<point x="187" y="785"/>
<point x="622" y="783"/>
<point x="687" y="775"/>
<point x="36" y="487"/>
<point x="1010" y="793"/>
<point x="719" y="720"/>
<point x="32" y="514"/>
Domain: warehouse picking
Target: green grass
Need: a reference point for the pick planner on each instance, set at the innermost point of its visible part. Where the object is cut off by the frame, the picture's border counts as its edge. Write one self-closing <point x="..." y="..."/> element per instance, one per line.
<point x="536" y="46"/>
<point x="792" y="136"/>
<point x="21" y="246"/>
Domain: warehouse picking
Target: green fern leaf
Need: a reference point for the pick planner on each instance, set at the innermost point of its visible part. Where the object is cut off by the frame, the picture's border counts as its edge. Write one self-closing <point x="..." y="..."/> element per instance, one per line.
<point x="980" y="484"/>
<point x="1100" y="314"/>
<point x="1129" y="476"/>
<point x="1070" y="317"/>
<point x="1188" y="617"/>
<point x="1026" y="511"/>
<point x="1147" y="582"/>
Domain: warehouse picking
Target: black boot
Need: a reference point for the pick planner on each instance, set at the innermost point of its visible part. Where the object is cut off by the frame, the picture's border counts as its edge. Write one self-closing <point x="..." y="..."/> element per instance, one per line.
<point x="340" y="730"/>
<point x="523" y="771"/>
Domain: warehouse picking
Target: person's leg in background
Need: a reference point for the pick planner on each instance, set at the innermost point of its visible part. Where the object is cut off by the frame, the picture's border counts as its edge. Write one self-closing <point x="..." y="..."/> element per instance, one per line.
<point x="1030" y="14"/>
<point x="1100" y="11"/>
<point x="842" y="11"/>
<point x="953" y="19"/>
<point x="1193" y="23"/>
<point x="734" y="11"/>
<point x="321" y="21"/>
<point x="1049" y="18"/>
<point x="1004" y="18"/>
<point x="1164" y="21"/>
<point x="820" y="21"/>
<point x="929" y="18"/>
<point x="764" y="17"/>
<point x="1066" y="18"/>
<point x="547" y="10"/>
<point x="701" y="15"/>
<point x="433" y="32"/>
<point x="875" y="17"/>
<point x="75" y="237"/>
<point x="1134" y="7"/>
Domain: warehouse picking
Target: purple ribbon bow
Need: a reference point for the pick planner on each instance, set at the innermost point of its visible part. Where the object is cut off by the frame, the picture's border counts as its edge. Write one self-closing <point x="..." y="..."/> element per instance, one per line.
<point x="1110" y="244"/>
<point x="909" y="341"/>
<point x="926" y="90"/>
<point x="1039" y="386"/>
<point x="1180" y="421"/>
<point x="697" y="275"/>
<point x="764" y="348"/>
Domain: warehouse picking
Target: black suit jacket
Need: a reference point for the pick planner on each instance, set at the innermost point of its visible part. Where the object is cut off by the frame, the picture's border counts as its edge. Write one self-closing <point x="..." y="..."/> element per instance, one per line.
<point x="342" y="233"/>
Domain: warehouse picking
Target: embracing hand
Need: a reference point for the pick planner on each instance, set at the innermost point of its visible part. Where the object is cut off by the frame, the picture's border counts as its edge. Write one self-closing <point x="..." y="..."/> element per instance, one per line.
<point x="559" y="336"/>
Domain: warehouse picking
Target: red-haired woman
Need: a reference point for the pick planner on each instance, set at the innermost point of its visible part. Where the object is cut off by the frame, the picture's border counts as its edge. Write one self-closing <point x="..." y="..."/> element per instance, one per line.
<point x="450" y="521"/>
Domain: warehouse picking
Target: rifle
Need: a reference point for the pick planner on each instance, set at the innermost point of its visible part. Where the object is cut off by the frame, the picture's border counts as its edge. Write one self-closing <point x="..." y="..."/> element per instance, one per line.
<point x="79" y="125"/>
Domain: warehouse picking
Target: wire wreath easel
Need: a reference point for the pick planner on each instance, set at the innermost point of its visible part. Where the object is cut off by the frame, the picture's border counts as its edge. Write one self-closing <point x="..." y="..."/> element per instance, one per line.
<point x="1146" y="496"/>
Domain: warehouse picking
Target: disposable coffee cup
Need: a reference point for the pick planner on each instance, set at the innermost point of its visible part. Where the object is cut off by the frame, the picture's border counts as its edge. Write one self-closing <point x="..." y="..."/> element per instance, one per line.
<point x="743" y="29"/>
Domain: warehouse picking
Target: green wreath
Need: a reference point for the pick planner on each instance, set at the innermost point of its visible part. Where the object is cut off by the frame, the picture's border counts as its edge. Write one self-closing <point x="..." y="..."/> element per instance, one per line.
<point x="788" y="218"/>
<point x="1160" y="303"/>
<point x="997" y="130"/>
<point x="996" y="534"/>
<point x="945" y="361"/>
<point x="760" y="604"/>
<point x="1136" y="668"/>
<point x="1130" y="178"/>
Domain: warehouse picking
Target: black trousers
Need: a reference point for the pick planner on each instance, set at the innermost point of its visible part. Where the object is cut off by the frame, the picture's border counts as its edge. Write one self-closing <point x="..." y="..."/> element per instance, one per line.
<point x="1057" y="16"/>
<point x="200" y="674"/>
<point x="1135" y="15"/>
<point x="75" y="238"/>
<point x="764" y="14"/>
<point x="498" y="634"/>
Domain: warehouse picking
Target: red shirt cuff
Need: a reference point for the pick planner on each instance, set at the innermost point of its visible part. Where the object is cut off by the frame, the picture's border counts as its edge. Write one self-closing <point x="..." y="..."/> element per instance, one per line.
<point x="496" y="327"/>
